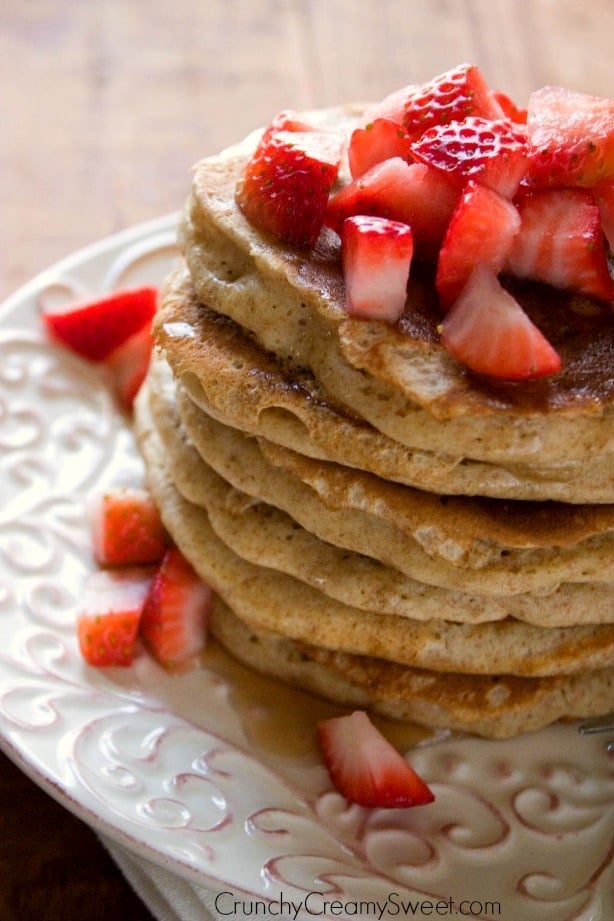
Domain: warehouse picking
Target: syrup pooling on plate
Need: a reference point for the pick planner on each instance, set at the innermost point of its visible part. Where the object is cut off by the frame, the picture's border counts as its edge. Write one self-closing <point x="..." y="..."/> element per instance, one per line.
<point x="279" y="721"/>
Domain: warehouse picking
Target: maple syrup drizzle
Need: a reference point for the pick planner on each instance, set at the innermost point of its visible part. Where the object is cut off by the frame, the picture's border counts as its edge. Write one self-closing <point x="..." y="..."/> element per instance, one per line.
<point x="280" y="720"/>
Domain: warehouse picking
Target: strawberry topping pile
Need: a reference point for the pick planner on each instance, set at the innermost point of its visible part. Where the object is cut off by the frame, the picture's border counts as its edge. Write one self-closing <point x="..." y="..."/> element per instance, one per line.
<point x="484" y="189"/>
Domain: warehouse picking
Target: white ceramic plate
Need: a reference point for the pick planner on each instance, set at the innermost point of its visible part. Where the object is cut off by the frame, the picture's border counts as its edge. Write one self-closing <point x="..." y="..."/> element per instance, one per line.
<point x="170" y="766"/>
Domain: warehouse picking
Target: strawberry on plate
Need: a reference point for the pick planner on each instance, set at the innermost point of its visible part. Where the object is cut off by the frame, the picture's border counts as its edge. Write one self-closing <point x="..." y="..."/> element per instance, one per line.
<point x="411" y="193"/>
<point x="450" y="96"/>
<point x="571" y="136"/>
<point x="561" y="242"/>
<point x="365" y="767"/>
<point x="128" y="364"/>
<point x="109" y="614"/>
<point x="380" y="140"/>
<point x="126" y="528"/>
<point x="493" y="152"/>
<point x="94" y="328"/>
<point x="174" y="620"/>
<point x="488" y="331"/>
<point x="286" y="183"/>
<point x="376" y="255"/>
<point x="481" y="229"/>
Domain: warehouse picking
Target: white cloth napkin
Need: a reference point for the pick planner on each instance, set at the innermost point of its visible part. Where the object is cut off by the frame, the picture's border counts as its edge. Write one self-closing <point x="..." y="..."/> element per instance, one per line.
<point x="168" y="897"/>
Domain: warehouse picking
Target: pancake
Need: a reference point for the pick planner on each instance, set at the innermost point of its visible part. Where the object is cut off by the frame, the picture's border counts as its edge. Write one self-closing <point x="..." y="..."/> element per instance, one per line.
<point x="425" y="544"/>
<point x="398" y="378"/>
<point x="492" y="707"/>
<point x="272" y="601"/>
<point x="265" y="536"/>
<point x="210" y="354"/>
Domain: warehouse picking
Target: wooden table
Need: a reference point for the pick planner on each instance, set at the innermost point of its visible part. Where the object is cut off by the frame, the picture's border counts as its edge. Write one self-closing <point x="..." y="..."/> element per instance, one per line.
<point x="103" y="109"/>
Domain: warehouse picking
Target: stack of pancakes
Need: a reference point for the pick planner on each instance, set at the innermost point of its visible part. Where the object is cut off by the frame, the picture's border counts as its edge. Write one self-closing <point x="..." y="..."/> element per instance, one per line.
<point x="380" y="526"/>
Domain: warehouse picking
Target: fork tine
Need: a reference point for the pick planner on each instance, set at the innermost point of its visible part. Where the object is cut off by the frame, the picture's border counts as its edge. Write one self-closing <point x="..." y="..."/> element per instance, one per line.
<point x="600" y="724"/>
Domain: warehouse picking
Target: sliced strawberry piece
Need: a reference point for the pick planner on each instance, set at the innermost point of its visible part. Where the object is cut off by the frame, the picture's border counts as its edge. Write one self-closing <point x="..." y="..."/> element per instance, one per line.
<point x="489" y="332"/>
<point x="109" y="614"/>
<point x="450" y="96"/>
<point x="93" y="329"/>
<point x="286" y="120"/>
<point x="286" y="184"/>
<point x="411" y="193"/>
<point x="392" y="106"/>
<point x="481" y="230"/>
<point x="603" y="193"/>
<point x="377" y="141"/>
<point x="173" y="625"/>
<point x="128" y="365"/>
<point x="366" y="768"/>
<point x="509" y="108"/>
<point x="491" y="152"/>
<point x="376" y="255"/>
<point x="571" y="136"/>
<point x="126" y="528"/>
<point x="561" y="242"/>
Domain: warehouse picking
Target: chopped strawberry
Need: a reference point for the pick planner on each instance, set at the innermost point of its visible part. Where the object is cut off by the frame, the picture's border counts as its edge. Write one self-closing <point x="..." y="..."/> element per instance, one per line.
<point x="411" y="193"/>
<point x="561" y="242"/>
<point x="376" y="255"/>
<point x="603" y="193"/>
<point x="173" y="625"/>
<point x="93" y="329"/>
<point x="509" y="108"/>
<point x="481" y="230"/>
<point x="285" y="185"/>
<point x="391" y="106"/>
<point x="126" y="528"/>
<point x="571" y="136"/>
<point x="128" y="365"/>
<point x="450" y="96"/>
<point x="286" y="120"/>
<point x="109" y="614"/>
<point x="491" y="152"/>
<point x="489" y="332"/>
<point x="377" y="141"/>
<point x="366" y="768"/>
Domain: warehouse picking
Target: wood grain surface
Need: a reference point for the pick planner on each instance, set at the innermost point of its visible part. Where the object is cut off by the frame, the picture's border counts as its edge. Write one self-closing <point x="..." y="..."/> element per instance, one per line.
<point x="104" y="107"/>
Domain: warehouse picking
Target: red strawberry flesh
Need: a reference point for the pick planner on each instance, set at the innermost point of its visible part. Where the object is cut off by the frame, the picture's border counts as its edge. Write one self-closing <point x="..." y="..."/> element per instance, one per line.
<point x="128" y="365"/>
<point x="286" y="184"/>
<point x="365" y="767"/>
<point x="376" y="256"/>
<point x="571" y="136"/>
<point x="491" y="152"/>
<point x="126" y="528"/>
<point x="109" y="614"/>
<point x="380" y="140"/>
<point x="93" y="329"/>
<point x="450" y="96"/>
<point x="561" y="242"/>
<point x="411" y="193"/>
<point x="173" y="625"/>
<point x="481" y="229"/>
<point x="489" y="332"/>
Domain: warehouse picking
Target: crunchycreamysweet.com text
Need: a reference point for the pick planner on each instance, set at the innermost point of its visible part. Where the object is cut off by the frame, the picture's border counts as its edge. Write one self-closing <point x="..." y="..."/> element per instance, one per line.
<point x="314" y="904"/>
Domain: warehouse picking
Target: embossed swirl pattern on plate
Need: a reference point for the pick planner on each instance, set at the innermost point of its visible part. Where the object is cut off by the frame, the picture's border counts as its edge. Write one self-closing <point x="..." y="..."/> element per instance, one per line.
<point x="523" y="824"/>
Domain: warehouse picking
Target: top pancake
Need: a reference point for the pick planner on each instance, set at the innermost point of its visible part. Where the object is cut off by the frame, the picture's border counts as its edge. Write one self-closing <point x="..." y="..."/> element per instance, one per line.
<point x="398" y="377"/>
